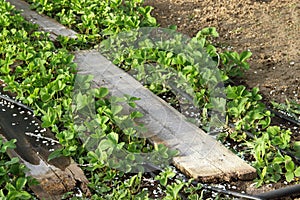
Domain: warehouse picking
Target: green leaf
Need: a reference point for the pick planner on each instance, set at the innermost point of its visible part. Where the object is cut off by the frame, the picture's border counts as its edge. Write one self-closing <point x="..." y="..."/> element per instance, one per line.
<point x="289" y="164"/>
<point x="297" y="172"/>
<point x="21" y="182"/>
<point x="296" y="146"/>
<point x="105" y="144"/>
<point x="114" y="137"/>
<point x="278" y="160"/>
<point x="59" y="85"/>
<point x="55" y="154"/>
<point x="245" y="55"/>
<point x="8" y="145"/>
<point x="289" y="176"/>
<point x="102" y="92"/>
<point x="263" y="173"/>
<point x="46" y="97"/>
<point x="136" y="114"/>
<point x="14" y="160"/>
<point x="174" y="189"/>
<point x="81" y="101"/>
<point x="115" y="109"/>
<point x="173" y="27"/>
<point x="209" y="31"/>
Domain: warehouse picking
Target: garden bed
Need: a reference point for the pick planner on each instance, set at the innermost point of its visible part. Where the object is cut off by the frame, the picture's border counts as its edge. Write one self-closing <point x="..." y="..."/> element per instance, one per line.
<point x="241" y="186"/>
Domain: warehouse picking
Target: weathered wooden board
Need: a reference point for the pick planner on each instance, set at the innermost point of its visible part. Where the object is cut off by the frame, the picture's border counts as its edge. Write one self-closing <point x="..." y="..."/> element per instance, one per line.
<point x="46" y="23"/>
<point x="201" y="156"/>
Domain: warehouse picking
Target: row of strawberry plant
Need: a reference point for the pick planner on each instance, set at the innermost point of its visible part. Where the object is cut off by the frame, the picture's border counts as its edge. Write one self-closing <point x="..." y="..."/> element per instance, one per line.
<point x="13" y="182"/>
<point x="159" y="65"/>
<point x="231" y="62"/>
<point x="95" y="20"/>
<point x="42" y="77"/>
<point x="244" y="108"/>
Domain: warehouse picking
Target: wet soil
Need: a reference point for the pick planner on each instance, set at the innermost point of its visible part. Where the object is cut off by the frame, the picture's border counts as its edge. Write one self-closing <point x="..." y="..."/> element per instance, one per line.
<point x="270" y="29"/>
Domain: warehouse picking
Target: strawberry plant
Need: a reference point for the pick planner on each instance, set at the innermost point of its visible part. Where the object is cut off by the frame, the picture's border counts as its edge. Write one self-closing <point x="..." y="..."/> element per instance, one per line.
<point x="158" y="59"/>
<point x="158" y="64"/>
<point x="13" y="182"/>
<point x="246" y="110"/>
<point x="97" y="19"/>
<point x="43" y="77"/>
<point x="233" y="63"/>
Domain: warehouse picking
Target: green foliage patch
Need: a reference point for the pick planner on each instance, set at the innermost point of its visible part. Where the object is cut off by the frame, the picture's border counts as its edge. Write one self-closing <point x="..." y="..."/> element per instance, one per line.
<point x="43" y="77"/>
<point x="13" y="183"/>
<point x="95" y="20"/>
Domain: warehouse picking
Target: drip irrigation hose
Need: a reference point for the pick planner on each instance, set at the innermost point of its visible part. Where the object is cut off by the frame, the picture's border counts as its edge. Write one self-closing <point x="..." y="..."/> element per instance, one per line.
<point x="232" y="193"/>
<point x="289" y="191"/>
<point x="214" y="132"/>
<point x="285" y="117"/>
<point x="280" y="193"/>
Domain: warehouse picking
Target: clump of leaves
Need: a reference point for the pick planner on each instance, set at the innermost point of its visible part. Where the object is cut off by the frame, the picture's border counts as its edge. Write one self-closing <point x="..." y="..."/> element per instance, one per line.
<point x="245" y="110"/>
<point x="13" y="182"/>
<point x="270" y="159"/>
<point x="166" y="61"/>
<point x="270" y="146"/>
<point x="233" y="63"/>
<point x="43" y="77"/>
<point x="94" y="19"/>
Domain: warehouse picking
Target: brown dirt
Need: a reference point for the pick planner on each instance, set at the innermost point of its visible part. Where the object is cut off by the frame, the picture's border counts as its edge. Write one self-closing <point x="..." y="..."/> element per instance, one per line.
<point x="270" y="29"/>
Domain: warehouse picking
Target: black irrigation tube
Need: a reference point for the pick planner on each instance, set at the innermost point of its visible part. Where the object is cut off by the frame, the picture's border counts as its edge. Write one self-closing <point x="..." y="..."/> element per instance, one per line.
<point x="190" y="99"/>
<point x="296" y="122"/>
<point x="274" y="194"/>
<point x="279" y="193"/>
<point x="229" y="192"/>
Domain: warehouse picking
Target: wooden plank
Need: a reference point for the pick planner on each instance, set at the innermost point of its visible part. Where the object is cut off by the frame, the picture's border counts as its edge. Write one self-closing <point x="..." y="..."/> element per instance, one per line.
<point x="46" y="23"/>
<point x="201" y="156"/>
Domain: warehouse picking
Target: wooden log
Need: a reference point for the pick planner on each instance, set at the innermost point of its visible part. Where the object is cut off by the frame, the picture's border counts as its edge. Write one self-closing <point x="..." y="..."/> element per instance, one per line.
<point x="201" y="156"/>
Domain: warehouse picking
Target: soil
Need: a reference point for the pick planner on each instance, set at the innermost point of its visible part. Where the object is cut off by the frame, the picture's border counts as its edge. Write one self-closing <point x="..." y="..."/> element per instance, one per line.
<point x="270" y="29"/>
